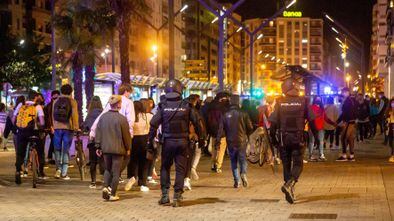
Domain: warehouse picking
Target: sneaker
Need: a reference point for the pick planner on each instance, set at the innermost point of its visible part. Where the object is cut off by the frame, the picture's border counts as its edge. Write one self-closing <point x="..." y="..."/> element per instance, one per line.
<point x="391" y="159"/>
<point x="18" y="179"/>
<point x="244" y="179"/>
<point x="129" y="184"/>
<point x="43" y="177"/>
<point x="114" y="198"/>
<point x="218" y="170"/>
<point x="65" y="177"/>
<point x="144" y="189"/>
<point x="151" y="180"/>
<point x="342" y="159"/>
<point x="187" y="185"/>
<point x="213" y="168"/>
<point x="121" y="180"/>
<point x="24" y="174"/>
<point x="351" y="158"/>
<point x="305" y="161"/>
<point x="106" y="193"/>
<point x="57" y="174"/>
<point x="236" y="185"/>
<point x="92" y="185"/>
<point x="194" y="174"/>
<point x="312" y="159"/>
<point x="322" y="158"/>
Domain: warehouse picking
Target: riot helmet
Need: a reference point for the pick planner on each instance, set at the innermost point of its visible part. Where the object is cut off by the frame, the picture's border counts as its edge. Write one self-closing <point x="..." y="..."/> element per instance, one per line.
<point x="290" y="87"/>
<point x="173" y="88"/>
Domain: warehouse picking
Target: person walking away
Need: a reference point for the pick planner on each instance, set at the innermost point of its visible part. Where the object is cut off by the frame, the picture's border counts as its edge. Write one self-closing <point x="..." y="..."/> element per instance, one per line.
<point x="174" y="116"/>
<point x="138" y="164"/>
<point x="49" y="124"/>
<point x="347" y="120"/>
<point x="41" y="136"/>
<point x="114" y="139"/>
<point x="237" y="126"/>
<point x="338" y="129"/>
<point x="391" y="129"/>
<point x="95" y="108"/>
<point x="194" y="150"/>
<point x="3" y="121"/>
<point x="65" y="122"/>
<point x="383" y="105"/>
<point x="127" y="110"/>
<point x="10" y="125"/>
<point x="216" y="110"/>
<point x="28" y="118"/>
<point x="332" y="113"/>
<point x="374" y="116"/>
<point x="316" y="128"/>
<point x="362" y="117"/>
<point x="289" y="118"/>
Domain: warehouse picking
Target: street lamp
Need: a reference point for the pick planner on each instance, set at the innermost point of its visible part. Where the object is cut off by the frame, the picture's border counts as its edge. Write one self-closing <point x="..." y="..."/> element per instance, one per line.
<point x="22" y="41"/>
<point x="104" y="55"/>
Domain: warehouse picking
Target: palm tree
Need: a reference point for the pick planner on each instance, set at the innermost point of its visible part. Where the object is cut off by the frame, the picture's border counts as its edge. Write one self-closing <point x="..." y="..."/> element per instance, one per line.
<point x="83" y="26"/>
<point x="123" y="10"/>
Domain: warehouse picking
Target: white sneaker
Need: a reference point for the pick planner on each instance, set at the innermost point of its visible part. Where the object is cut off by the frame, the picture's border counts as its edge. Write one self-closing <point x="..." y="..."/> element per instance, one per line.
<point x="187" y="185"/>
<point x="114" y="198"/>
<point x="305" y="161"/>
<point x="57" y="174"/>
<point x="129" y="184"/>
<point x="144" y="189"/>
<point x="391" y="159"/>
<point x="151" y="180"/>
<point x="194" y="174"/>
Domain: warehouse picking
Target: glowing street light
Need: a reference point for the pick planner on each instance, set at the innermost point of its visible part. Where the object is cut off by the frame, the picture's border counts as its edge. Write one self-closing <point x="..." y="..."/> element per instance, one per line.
<point x="263" y="66"/>
<point x="22" y="41"/>
<point x="260" y="52"/>
<point x="259" y="37"/>
<point x="339" y="40"/>
<point x="184" y="8"/>
<point x="267" y="55"/>
<point x="107" y="51"/>
<point x="335" y="30"/>
<point x="214" y="20"/>
<point x="329" y="18"/>
<point x="154" y="48"/>
<point x="291" y="3"/>
<point x="347" y="64"/>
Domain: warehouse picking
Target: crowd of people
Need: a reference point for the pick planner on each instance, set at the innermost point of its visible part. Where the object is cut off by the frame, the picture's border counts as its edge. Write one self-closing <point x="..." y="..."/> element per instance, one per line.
<point x="135" y="136"/>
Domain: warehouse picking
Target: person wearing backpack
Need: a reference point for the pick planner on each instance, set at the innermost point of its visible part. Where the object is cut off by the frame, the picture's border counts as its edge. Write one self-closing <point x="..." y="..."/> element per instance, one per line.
<point x="28" y="118"/>
<point x="65" y="122"/>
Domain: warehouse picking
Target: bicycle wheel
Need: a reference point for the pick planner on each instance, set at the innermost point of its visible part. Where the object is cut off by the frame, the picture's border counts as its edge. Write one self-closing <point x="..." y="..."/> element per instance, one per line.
<point x="34" y="167"/>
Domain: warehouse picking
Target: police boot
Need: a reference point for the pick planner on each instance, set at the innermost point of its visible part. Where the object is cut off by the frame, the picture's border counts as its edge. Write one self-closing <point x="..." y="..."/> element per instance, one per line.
<point x="177" y="199"/>
<point x="165" y="198"/>
<point x="288" y="190"/>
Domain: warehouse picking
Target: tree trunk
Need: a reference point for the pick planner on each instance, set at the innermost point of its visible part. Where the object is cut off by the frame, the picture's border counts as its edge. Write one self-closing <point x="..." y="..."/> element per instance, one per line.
<point x="124" y="28"/>
<point x="77" y="80"/>
<point x="89" y="83"/>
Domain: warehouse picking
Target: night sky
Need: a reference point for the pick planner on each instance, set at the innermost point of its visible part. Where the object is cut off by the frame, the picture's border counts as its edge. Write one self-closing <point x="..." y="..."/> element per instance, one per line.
<point x="356" y="15"/>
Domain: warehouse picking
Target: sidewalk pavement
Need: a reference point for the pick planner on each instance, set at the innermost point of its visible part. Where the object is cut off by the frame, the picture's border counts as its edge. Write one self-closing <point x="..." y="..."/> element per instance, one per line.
<point x="361" y="190"/>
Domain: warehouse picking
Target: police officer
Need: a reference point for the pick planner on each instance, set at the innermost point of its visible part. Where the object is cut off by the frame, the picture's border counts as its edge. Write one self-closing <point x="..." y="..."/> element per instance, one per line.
<point x="288" y="119"/>
<point x="174" y="115"/>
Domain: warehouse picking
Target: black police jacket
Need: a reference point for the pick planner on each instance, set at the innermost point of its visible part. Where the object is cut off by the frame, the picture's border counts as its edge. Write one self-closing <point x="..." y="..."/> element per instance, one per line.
<point x="237" y="127"/>
<point x="174" y="115"/>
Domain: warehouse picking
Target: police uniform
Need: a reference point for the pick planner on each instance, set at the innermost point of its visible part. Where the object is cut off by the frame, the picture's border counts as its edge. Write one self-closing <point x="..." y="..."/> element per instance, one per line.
<point x="288" y="119"/>
<point x="174" y="115"/>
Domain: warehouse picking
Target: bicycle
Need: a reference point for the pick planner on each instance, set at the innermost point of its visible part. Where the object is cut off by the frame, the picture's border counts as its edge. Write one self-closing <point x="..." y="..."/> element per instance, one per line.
<point x="31" y="158"/>
<point x="263" y="151"/>
<point x="80" y="158"/>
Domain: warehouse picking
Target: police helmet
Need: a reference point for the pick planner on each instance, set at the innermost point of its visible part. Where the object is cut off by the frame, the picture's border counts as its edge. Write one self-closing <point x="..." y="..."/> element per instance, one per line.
<point x="290" y="85"/>
<point x="174" y="86"/>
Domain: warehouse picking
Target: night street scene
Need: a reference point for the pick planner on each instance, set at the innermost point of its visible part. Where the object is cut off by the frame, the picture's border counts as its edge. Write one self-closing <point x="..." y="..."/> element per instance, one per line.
<point x="196" y="110"/>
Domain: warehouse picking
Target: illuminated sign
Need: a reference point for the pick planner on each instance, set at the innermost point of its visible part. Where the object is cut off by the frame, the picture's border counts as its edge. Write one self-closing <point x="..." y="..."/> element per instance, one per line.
<point x="293" y="14"/>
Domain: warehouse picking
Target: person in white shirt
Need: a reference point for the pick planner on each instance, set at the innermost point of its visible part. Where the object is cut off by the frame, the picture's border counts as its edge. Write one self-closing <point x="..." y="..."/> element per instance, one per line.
<point x="138" y="165"/>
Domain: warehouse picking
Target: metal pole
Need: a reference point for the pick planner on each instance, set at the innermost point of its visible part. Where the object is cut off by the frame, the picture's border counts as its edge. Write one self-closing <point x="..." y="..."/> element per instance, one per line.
<point x="221" y="53"/>
<point x="363" y="74"/>
<point x="171" y="39"/>
<point x="53" y="49"/>
<point x="251" y="47"/>
<point x="157" y="58"/>
<point x="113" y="53"/>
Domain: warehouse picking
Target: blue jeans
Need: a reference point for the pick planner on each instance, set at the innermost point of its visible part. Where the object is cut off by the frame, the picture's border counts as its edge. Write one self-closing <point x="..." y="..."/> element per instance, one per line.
<point x="237" y="156"/>
<point x="311" y="144"/>
<point x="61" y="142"/>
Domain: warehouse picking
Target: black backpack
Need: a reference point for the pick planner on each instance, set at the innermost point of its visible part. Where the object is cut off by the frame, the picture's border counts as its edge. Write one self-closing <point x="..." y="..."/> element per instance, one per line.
<point x="62" y="110"/>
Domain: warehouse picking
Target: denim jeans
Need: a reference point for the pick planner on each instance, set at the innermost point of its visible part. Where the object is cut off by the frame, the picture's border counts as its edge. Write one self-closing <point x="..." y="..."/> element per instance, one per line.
<point x="311" y="144"/>
<point x="238" y="156"/>
<point x="61" y="142"/>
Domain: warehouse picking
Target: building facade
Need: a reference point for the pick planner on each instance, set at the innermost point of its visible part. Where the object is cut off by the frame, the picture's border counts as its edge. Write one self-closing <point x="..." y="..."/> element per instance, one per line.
<point x="378" y="69"/>
<point x="285" y="41"/>
<point x="390" y="49"/>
